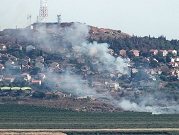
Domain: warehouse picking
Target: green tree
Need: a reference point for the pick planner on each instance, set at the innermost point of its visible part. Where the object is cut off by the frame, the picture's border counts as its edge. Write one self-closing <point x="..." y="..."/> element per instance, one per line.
<point x="35" y="71"/>
<point x="154" y="63"/>
<point x="16" y="54"/>
<point x="38" y="94"/>
<point x="130" y="55"/>
<point x="33" y="53"/>
<point x="168" y="59"/>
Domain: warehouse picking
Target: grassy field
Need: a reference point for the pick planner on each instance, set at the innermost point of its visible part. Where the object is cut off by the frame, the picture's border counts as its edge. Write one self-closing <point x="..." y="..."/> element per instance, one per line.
<point x="26" y="116"/>
<point x="124" y="133"/>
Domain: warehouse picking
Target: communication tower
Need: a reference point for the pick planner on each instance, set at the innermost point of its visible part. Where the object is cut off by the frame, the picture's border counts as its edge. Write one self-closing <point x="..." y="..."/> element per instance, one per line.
<point x="43" y="13"/>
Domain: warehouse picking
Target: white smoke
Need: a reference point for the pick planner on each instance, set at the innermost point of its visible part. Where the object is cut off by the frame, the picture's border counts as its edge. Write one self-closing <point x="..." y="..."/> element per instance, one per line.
<point x="74" y="41"/>
<point x="76" y="36"/>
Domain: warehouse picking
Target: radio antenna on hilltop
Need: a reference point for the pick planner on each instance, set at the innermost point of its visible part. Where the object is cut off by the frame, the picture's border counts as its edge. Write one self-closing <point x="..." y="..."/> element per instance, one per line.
<point x="43" y="13"/>
<point x="29" y="19"/>
<point x="59" y="18"/>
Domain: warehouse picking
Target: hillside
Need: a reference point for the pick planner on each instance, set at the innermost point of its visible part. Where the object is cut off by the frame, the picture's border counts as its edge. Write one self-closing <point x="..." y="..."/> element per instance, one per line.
<point x="107" y="68"/>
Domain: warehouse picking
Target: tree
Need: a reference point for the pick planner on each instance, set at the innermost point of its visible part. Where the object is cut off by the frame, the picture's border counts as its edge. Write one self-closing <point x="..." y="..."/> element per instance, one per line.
<point x="35" y="71"/>
<point x="130" y="54"/>
<point x="145" y="54"/>
<point x="41" y="52"/>
<point x="16" y="42"/>
<point x="168" y="59"/>
<point x="33" y="53"/>
<point x="38" y="94"/>
<point x="15" y="53"/>
<point x="140" y="75"/>
<point x="154" y="63"/>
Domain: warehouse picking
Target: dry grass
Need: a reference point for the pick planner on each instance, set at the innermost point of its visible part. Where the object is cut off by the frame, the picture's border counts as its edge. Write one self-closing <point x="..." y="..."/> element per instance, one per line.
<point x="32" y="133"/>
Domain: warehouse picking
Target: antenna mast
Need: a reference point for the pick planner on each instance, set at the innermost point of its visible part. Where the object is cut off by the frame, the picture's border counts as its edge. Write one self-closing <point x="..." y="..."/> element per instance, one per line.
<point x="43" y="13"/>
<point x="59" y="18"/>
<point x="29" y="19"/>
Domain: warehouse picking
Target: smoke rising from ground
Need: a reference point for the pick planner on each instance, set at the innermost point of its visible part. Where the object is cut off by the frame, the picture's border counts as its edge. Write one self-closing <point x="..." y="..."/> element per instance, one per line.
<point x="76" y="37"/>
<point x="73" y="40"/>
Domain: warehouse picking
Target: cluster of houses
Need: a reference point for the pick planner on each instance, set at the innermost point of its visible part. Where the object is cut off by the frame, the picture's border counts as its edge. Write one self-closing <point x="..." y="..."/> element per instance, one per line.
<point x="152" y="52"/>
<point x="173" y="64"/>
<point x="99" y="80"/>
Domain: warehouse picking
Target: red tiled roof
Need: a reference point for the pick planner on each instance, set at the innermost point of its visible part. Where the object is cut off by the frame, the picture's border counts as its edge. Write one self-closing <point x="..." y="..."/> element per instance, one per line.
<point x="1" y="65"/>
<point x="153" y="50"/>
<point x="36" y="81"/>
<point x="162" y="50"/>
<point x="8" y="78"/>
<point x="171" y="50"/>
<point x="48" y="93"/>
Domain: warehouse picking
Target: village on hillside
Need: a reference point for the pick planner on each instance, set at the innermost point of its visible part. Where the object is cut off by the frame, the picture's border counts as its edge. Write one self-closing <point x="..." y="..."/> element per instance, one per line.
<point x="37" y="71"/>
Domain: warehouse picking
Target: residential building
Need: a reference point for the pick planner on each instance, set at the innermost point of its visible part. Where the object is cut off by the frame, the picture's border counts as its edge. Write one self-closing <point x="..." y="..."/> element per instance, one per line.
<point x="41" y="76"/>
<point x="1" y="66"/>
<point x="114" y="86"/>
<point x="26" y="68"/>
<point x="81" y="60"/>
<point x="177" y="59"/>
<point x="39" y="65"/>
<point x="153" y="51"/>
<point x="164" y="52"/>
<point x="3" y="47"/>
<point x="26" y="58"/>
<point x="1" y="77"/>
<point x="174" y="64"/>
<point x="16" y="47"/>
<point x="173" y="52"/>
<point x="27" y="76"/>
<point x="54" y="64"/>
<point x="39" y="59"/>
<point x="29" y="48"/>
<point x="39" y="82"/>
<point x="96" y="84"/>
<point x="78" y="55"/>
<point x="111" y="51"/>
<point x="122" y="53"/>
<point x="9" y="79"/>
<point x="135" y="52"/>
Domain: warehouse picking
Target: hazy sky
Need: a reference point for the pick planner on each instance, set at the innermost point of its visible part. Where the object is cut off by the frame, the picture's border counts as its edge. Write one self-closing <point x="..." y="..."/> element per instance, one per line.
<point x="135" y="17"/>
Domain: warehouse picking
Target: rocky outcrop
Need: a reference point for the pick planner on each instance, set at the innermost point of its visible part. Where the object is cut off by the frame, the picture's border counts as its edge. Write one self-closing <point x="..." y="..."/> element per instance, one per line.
<point x="104" y="34"/>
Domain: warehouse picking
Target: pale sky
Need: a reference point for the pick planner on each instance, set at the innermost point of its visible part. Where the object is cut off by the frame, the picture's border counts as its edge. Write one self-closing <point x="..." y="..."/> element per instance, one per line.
<point x="134" y="17"/>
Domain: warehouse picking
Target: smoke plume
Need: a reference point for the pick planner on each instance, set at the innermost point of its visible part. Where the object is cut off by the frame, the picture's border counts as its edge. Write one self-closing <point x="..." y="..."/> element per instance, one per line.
<point x="73" y="41"/>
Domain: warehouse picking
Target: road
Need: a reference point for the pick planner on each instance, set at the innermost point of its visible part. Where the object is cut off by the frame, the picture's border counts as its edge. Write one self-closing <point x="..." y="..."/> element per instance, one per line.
<point x="89" y="130"/>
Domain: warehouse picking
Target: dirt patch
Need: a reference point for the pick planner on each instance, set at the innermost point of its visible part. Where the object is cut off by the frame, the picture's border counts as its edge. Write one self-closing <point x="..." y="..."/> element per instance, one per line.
<point x="32" y="133"/>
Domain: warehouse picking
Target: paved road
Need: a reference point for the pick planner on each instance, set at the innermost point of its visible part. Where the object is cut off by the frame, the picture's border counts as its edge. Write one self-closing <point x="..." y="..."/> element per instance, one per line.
<point x="88" y="130"/>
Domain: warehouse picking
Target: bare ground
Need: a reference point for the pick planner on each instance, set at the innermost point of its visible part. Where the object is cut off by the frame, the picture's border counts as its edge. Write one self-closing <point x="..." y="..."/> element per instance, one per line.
<point x="31" y="133"/>
<point x="59" y="131"/>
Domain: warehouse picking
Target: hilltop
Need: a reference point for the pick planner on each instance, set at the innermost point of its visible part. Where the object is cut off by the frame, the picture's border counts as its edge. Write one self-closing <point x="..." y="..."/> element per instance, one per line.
<point x="95" y="33"/>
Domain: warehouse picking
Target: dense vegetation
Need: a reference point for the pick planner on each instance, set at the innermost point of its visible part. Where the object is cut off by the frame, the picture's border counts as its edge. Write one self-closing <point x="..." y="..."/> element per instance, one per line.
<point x="143" y="44"/>
<point x="25" y="116"/>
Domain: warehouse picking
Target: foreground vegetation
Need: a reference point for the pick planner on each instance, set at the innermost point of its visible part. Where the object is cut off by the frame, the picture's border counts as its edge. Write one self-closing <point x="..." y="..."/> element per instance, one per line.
<point x="26" y="116"/>
<point x="126" y="133"/>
